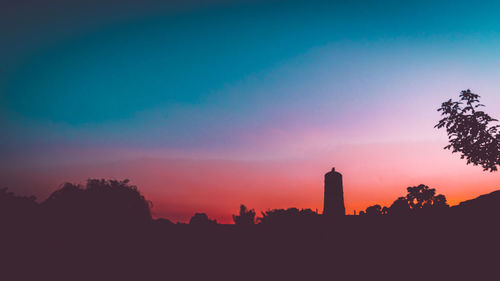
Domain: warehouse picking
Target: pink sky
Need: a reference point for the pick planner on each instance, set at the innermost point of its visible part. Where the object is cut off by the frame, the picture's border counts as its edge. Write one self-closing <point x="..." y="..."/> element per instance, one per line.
<point x="374" y="173"/>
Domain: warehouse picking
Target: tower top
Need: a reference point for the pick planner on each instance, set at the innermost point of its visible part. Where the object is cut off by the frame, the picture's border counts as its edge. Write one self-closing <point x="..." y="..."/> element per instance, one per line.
<point x="333" y="169"/>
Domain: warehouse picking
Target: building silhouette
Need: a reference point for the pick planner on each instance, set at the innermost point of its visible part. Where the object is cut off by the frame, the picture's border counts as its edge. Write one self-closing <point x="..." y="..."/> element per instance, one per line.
<point x="334" y="195"/>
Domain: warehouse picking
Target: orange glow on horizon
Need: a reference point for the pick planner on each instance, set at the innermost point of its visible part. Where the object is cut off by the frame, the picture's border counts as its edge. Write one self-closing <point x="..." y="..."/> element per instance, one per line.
<point x="372" y="174"/>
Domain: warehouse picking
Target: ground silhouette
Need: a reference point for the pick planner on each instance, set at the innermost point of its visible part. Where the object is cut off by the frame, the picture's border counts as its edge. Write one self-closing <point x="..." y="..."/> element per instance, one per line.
<point x="104" y="231"/>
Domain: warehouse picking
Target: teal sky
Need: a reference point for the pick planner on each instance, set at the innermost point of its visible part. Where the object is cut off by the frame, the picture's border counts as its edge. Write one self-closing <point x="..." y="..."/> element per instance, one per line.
<point x="112" y="66"/>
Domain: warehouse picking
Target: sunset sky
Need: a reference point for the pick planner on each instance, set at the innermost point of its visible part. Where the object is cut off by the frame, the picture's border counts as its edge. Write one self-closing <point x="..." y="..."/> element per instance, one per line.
<point x="208" y="104"/>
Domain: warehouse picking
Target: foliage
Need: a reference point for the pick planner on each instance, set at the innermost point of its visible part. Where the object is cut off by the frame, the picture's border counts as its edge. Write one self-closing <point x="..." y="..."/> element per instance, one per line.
<point x="245" y="217"/>
<point x="201" y="219"/>
<point x="400" y="207"/>
<point x="16" y="207"/>
<point x="101" y="201"/>
<point x="374" y="210"/>
<point x="422" y="197"/>
<point x="469" y="131"/>
<point x="288" y="216"/>
<point x="419" y="199"/>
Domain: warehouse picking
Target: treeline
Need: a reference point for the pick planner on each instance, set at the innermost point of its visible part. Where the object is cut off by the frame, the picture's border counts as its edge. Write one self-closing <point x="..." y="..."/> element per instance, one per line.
<point x="419" y="200"/>
<point x="114" y="203"/>
<point x="109" y="203"/>
<point x="104" y="230"/>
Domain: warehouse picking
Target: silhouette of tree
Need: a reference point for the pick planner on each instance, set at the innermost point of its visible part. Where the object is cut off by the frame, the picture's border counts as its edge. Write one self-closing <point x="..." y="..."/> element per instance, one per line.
<point x="289" y="216"/>
<point x="375" y="210"/>
<point x="440" y="202"/>
<point x="419" y="198"/>
<point x="422" y="197"/>
<point x="103" y="202"/>
<point x="201" y="219"/>
<point x="67" y="203"/>
<point x="14" y="207"/>
<point x="245" y="217"/>
<point x="469" y="131"/>
<point x="400" y="207"/>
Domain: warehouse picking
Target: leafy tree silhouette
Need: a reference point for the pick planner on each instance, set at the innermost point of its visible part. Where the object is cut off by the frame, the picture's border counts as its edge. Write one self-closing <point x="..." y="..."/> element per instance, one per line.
<point x="422" y="197"/>
<point x="16" y="208"/>
<point x="440" y="202"/>
<point x="400" y="207"/>
<point x="469" y="131"/>
<point x="374" y="210"/>
<point x="201" y="219"/>
<point x="103" y="202"/>
<point x="418" y="199"/>
<point x="288" y="216"/>
<point x="245" y="217"/>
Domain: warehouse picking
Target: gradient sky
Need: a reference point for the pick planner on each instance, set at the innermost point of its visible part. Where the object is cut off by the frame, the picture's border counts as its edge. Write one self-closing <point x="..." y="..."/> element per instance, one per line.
<point x="208" y="104"/>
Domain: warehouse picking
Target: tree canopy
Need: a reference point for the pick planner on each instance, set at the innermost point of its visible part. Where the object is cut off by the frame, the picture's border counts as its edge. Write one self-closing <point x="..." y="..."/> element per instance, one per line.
<point x="470" y="132"/>
<point x="99" y="202"/>
<point x="419" y="199"/>
<point x="245" y="217"/>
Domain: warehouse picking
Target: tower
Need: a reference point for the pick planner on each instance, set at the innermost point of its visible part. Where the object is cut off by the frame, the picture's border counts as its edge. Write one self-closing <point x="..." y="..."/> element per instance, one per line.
<point x="334" y="195"/>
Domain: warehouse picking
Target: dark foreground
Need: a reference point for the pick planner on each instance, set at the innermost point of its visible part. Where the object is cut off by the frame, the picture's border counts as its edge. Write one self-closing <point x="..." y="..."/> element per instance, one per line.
<point x="447" y="247"/>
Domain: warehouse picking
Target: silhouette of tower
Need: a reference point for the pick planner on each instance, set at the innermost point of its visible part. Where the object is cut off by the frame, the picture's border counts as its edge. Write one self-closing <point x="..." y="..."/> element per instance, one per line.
<point x="334" y="195"/>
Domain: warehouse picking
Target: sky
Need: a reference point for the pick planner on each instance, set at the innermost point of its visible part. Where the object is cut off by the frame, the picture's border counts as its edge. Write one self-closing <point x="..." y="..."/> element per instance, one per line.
<point x="205" y="105"/>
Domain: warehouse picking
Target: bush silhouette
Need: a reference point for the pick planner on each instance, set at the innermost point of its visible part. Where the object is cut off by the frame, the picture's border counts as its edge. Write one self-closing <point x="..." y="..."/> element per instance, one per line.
<point x="16" y="208"/>
<point x="400" y="207"/>
<point x="101" y="202"/>
<point x="375" y="210"/>
<point x="422" y="197"/>
<point x="201" y="219"/>
<point x="289" y="216"/>
<point x="419" y="199"/>
<point x="245" y="217"/>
